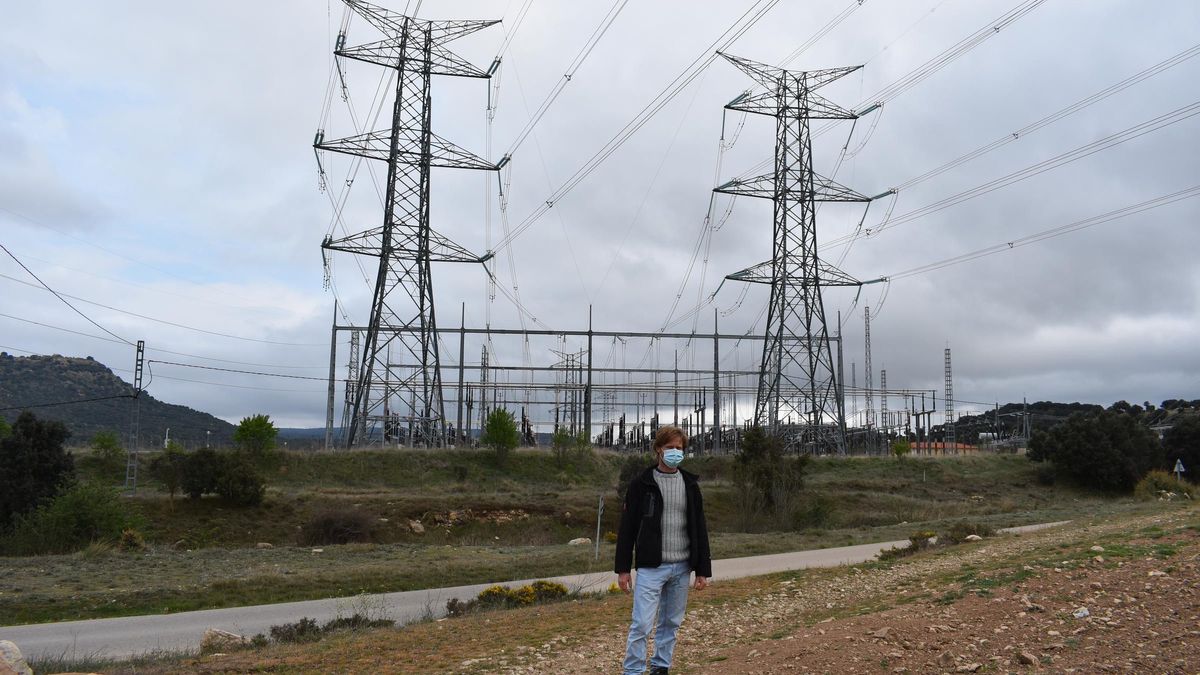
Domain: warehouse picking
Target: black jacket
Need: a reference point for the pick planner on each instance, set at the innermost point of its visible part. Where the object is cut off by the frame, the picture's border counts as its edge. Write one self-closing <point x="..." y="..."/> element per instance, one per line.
<point x="641" y="525"/>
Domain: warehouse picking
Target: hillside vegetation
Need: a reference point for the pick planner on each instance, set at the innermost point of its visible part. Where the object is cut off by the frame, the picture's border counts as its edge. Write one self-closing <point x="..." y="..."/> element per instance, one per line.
<point x="35" y="381"/>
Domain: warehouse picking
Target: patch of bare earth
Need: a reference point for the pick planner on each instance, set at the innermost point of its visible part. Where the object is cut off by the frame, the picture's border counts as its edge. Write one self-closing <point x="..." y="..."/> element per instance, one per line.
<point x="1046" y="601"/>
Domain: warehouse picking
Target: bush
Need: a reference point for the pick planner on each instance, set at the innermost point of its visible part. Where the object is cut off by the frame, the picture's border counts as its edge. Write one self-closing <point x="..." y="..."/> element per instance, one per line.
<point x="82" y="515"/>
<point x="131" y="540"/>
<point x="35" y="466"/>
<point x="1110" y="451"/>
<point x="500" y="434"/>
<point x="255" y="437"/>
<point x="336" y="526"/>
<point x="240" y="483"/>
<point x="502" y="597"/>
<point x="1182" y="442"/>
<point x="201" y="471"/>
<point x="304" y="630"/>
<point x="959" y="531"/>
<point x="233" y="477"/>
<point x="356" y="622"/>
<point x="1162" y="485"/>
<point x="546" y="591"/>
<point x="767" y="484"/>
<point x="307" y="630"/>
<point x="901" y="447"/>
<point x="169" y="468"/>
<point x="917" y="541"/>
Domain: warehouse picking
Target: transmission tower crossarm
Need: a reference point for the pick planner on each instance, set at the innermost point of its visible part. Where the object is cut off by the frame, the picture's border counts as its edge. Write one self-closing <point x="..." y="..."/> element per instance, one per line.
<point x="764" y="187"/>
<point x="391" y="53"/>
<point x="764" y="273"/>
<point x="768" y="103"/>
<point x="370" y="242"/>
<point x="378" y="145"/>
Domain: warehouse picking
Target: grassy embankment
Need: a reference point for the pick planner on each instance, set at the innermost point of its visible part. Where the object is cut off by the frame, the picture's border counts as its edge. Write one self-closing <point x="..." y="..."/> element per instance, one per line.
<point x="486" y="523"/>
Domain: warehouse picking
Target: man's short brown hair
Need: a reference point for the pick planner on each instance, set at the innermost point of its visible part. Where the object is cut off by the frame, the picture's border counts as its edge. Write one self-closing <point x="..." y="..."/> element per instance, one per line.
<point x="668" y="433"/>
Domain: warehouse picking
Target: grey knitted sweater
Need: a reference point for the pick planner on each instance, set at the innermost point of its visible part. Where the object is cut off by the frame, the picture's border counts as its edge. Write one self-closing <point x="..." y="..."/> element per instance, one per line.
<point x="674" y="518"/>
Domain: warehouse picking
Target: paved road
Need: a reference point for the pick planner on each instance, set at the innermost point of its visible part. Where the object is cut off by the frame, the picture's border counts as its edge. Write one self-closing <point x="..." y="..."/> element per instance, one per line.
<point x="128" y="636"/>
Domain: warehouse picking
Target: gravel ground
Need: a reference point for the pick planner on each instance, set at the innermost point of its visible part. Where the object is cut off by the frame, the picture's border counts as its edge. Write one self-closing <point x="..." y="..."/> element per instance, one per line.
<point x="1111" y="596"/>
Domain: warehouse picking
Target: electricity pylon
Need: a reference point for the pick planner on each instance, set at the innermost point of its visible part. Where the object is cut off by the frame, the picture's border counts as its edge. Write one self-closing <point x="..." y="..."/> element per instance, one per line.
<point x="797" y="377"/>
<point x="403" y="323"/>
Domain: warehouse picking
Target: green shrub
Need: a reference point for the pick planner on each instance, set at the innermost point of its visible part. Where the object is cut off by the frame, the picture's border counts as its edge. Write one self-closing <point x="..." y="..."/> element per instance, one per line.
<point x="767" y="483"/>
<point x="546" y="591"/>
<point x="1110" y="451"/>
<point x="336" y="526"/>
<point x="356" y="622"/>
<point x="201" y="472"/>
<point x="240" y="484"/>
<point x="500" y="433"/>
<point x="959" y="531"/>
<point x="1162" y="485"/>
<point x="501" y="597"/>
<point x="83" y="514"/>
<point x="233" y="477"/>
<point x="169" y="469"/>
<point x="304" y="630"/>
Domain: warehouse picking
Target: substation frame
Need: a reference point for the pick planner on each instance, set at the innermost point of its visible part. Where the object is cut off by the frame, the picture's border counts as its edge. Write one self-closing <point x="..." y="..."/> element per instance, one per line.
<point x="704" y="395"/>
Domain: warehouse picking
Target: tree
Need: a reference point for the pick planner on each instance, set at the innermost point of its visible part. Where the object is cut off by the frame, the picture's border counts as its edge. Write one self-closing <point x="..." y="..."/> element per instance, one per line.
<point x="36" y="467"/>
<point x="255" y="436"/>
<point x="561" y="441"/>
<point x="1182" y="442"/>
<point x="500" y="433"/>
<point x="168" y="469"/>
<point x="5" y="429"/>
<point x="901" y="447"/>
<point x="107" y="450"/>
<point x="766" y="481"/>
<point x="1110" y="451"/>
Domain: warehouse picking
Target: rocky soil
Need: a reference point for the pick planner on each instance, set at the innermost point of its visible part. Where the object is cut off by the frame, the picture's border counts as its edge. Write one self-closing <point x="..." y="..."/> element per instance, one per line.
<point x="1115" y="596"/>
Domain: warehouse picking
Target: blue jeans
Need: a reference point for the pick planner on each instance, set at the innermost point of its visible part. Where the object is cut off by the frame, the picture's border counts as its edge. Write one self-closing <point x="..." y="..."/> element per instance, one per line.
<point x="661" y="589"/>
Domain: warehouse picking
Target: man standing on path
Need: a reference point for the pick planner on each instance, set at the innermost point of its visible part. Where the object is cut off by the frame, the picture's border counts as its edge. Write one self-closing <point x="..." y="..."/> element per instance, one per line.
<point x="662" y="520"/>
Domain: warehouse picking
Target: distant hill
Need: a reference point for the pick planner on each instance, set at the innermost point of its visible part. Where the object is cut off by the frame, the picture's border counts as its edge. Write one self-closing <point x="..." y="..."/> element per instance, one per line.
<point x="38" y="380"/>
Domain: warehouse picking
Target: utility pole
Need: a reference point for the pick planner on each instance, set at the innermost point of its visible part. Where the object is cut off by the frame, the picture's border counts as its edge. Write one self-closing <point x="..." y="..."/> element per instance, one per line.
<point x="797" y="374"/>
<point x="951" y="441"/>
<point x="883" y="410"/>
<point x="402" y="310"/>
<point x="869" y="380"/>
<point x="716" y="428"/>
<point x="131" y="457"/>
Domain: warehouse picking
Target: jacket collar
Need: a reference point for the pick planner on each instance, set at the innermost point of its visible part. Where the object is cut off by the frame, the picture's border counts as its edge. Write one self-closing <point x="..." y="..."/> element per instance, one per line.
<point x="688" y="477"/>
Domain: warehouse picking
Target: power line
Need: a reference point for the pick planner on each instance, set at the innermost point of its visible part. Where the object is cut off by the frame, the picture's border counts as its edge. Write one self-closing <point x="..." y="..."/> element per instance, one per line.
<point x="163" y="321"/>
<point x="58" y="295"/>
<point x="153" y="349"/>
<point x="1056" y="116"/>
<point x="1136" y="131"/>
<point x="1049" y="233"/>
<point x="681" y="81"/>
<point x="928" y="68"/>
<point x="57" y="403"/>
<point x="572" y="68"/>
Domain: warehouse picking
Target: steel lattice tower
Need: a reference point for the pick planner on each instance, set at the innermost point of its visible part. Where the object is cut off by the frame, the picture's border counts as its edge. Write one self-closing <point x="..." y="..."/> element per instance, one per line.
<point x="402" y="313"/>
<point x="797" y="374"/>
<point x="951" y="441"/>
<point x="869" y="374"/>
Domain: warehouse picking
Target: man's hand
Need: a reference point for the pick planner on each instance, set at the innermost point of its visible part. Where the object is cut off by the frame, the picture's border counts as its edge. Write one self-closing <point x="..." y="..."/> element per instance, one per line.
<point x="701" y="583"/>
<point x="624" y="581"/>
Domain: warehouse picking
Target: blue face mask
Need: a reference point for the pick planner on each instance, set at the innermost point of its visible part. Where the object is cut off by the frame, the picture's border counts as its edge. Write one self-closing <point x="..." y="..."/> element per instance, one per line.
<point x="673" y="457"/>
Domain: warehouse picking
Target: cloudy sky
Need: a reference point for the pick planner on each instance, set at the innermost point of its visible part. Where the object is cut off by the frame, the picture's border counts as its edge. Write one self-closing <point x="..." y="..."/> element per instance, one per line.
<point x="156" y="165"/>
